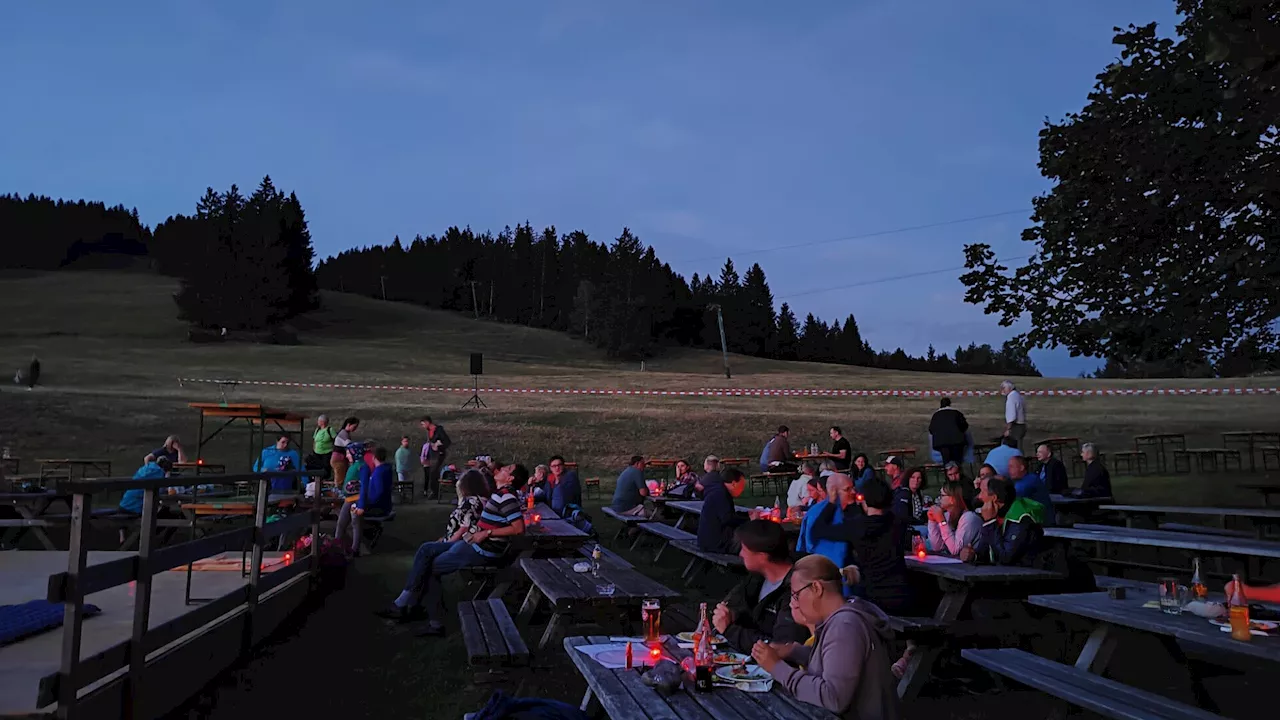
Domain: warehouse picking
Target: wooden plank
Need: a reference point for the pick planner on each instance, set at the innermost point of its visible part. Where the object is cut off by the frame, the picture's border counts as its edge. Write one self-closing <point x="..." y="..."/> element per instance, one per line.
<point x="720" y="559"/>
<point x="174" y="556"/>
<point x="1204" y="530"/>
<point x="510" y="633"/>
<point x="1083" y="689"/>
<point x="493" y="639"/>
<point x="628" y="520"/>
<point x="646" y="698"/>
<point x="93" y="578"/>
<point x="973" y="574"/>
<point x="1181" y="541"/>
<point x="1273" y="513"/>
<point x="278" y="577"/>
<point x="614" y="698"/>
<point x="472" y="635"/>
<point x="666" y="532"/>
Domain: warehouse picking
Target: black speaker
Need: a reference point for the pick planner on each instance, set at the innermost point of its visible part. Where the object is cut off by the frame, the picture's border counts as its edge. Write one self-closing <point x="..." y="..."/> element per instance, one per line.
<point x="477" y="363"/>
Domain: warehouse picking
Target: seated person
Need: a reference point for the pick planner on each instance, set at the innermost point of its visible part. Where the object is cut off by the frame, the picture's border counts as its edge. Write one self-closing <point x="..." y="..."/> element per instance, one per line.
<point x="759" y="607"/>
<point x="1097" y="481"/>
<point x="631" y="490"/>
<point x="171" y="450"/>
<point x="374" y="500"/>
<point x="1029" y="486"/>
<point x="862" y="471"/>
<point x="152" y="467"/>
<point x="847" y="670"/>
<point x="1052" y="472"/>
<point x="685" y="483"/>
<point x="719" y="516"/>
<point x="710" y="474"/>
<point x="566" y="492"/>
<point x="909" y="501"/>
<point x="999" y="456"/>
<point x="501" y="519"/>
<point x="952" y="525"/>
<point x="798" y="491"/>
<point x="1009" y="536"/>
<point x="537" y="486"/>
<point x="841" y="495"/>
<point x="465" y="518"/>
<point x="985" y="473"/>
<point x="877" y="539"/>
<point x="280" y="458"/>
<point x="777" y="455"/>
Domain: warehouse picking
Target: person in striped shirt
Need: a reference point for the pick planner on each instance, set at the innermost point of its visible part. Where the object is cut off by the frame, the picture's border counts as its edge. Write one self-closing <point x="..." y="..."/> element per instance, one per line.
<point x="502" y="518"/>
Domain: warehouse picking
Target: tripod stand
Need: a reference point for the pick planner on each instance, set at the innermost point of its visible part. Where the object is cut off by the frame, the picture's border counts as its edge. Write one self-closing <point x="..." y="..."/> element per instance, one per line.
<point x="475" y="400"/>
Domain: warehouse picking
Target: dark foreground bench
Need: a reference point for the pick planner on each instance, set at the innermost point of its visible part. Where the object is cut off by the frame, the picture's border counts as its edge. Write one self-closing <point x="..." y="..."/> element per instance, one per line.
<point x="1082" y="688"/>
<point x="666" y="533"/>
<point x="700" y="560"/>
<point x="490" y="635"/>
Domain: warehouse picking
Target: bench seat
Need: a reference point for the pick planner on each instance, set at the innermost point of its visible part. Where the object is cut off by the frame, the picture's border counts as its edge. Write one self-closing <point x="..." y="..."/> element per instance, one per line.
<point x="490" y="634"/>
<point x="1206" y="530"/>
<point x="1082" y="688"/>
<point x="700" y="559"/>
<point x="663" y="532"/>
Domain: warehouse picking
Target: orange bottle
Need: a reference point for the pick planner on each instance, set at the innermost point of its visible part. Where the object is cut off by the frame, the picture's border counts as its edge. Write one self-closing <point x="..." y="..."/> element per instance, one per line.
<point x="1238" y="611"/>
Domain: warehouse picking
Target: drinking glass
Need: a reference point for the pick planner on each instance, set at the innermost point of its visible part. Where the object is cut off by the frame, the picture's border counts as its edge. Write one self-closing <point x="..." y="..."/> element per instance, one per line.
<point x="1172" y="596"/>
<point x="917" y="546"/>
<point x="651" y="615"/>
<point x="605" y="589"/>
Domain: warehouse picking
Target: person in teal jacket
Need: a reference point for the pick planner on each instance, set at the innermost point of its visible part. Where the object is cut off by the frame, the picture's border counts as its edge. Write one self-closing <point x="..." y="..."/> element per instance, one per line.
<point x="152" y="468"/>
<point x="279" y="458"/>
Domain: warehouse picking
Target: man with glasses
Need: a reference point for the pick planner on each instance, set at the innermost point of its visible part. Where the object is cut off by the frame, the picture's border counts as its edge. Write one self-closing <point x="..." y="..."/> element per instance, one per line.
<point x="566" y="493"/>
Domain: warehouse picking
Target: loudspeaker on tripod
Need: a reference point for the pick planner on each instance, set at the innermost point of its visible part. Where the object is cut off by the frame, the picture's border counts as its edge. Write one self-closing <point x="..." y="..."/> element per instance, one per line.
<point x="477" y="363"/>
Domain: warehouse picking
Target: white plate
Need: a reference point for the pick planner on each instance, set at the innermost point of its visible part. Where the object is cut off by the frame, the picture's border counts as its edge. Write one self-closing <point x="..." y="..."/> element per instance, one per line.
<point x="754" y="672"/>
<point x="734" y="658"/>
<point x="687" y="637"/>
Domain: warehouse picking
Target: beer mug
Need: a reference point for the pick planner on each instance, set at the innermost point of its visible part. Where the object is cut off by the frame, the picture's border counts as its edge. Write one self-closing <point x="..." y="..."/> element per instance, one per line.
<point x="651" y="616"/>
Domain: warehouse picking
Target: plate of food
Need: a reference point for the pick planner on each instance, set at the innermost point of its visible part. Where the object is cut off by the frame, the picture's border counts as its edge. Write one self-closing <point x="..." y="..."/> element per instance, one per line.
<point x="687" y="637"/>
<point x="730" y="658"/>
<point x="1265" y="626"/>
<point x="742" y="673"/>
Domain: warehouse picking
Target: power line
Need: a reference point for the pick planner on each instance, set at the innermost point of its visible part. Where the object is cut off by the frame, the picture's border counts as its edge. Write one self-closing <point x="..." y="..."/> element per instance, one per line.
<point x="861" y="236"/>
<point x="891" y="279"/>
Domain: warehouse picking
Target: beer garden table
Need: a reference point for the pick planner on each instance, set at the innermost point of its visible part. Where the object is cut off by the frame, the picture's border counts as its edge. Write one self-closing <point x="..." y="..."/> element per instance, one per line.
<point x="622" y="695"/>
<point x="1121" y="620"/>
<point x="1258" y="517"/>
<point x="569" y="592"/>
<point x="549" y="536"/>
<point x="49" y="466"/>
<point x="962" y="583"/>
<point x="1250" y="440"/>
<point x="1176" y="441"/>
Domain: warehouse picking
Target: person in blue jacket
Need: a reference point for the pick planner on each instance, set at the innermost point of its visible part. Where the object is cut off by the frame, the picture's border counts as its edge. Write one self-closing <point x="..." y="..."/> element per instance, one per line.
<point x="374" y="500"/>
<point x="1030" y="486"/>
<point x="566" y="493"/>
<point x="279" y="458"/>
<point x="152" y="467"/>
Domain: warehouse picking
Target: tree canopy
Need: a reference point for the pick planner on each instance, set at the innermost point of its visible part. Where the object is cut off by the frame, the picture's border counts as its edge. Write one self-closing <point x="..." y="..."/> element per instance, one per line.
<point x="1157" y="243"/>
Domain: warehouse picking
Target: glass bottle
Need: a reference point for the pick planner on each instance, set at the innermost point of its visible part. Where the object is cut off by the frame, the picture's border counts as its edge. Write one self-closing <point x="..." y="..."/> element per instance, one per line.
<point x="1198" y="588"/>
<point x="1238" y="611"/>
<point x="777" y="509"/>
<point x="703" y="659"/>
<point x="596" y="553"/>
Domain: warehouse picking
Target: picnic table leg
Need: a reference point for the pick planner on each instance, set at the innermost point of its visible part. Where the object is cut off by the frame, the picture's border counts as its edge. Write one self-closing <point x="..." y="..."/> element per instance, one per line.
<point x="34" y="514"/>
<point x="1203" y="699"/>
<point x="920" y="666"/>
<point x="590" y="705"/>
<point x="554" y="626"/>
<point x="680" y="522"/>
<point x="505" y="580"/>
<point x="1098" y="649"/>
<point x="529" y="607"/>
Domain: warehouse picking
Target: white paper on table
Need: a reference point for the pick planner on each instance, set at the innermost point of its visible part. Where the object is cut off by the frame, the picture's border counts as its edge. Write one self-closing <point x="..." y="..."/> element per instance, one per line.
<point x="1258" y="633"/>
<point x="934" y="559"/>
<point x="612" y="656"/>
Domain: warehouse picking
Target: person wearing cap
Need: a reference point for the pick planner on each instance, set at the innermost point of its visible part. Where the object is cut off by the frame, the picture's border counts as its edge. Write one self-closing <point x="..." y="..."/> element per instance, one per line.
<point x="948" y="432"/>
<point x="893" y="471"/>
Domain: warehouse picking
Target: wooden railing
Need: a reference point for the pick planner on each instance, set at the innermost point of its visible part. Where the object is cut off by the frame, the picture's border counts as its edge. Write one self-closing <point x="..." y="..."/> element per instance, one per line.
<point x="81" y="579"/>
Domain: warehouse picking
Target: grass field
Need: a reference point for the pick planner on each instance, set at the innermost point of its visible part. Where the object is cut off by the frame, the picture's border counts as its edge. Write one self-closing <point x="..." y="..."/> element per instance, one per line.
<point x="112" y="351"/>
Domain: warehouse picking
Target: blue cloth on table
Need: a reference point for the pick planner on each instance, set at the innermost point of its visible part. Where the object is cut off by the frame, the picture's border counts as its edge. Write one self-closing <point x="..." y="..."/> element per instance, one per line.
<point x="32" y="618"/>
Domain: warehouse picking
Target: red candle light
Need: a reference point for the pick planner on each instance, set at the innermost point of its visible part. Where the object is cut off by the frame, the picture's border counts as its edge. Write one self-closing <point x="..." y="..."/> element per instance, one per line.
<point x="655" y="652"/>
<point x="920" y="553"/>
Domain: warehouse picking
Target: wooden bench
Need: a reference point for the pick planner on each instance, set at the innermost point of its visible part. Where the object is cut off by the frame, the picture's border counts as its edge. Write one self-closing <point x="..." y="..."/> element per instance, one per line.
<point x="918" y="628"/>
<point x="779" y="481"/>
<point x="663" y="532"/>
<point x="1134" y="461"/>
<point x="591" y="485"/>
<point x="1206" y="457"/>
<point x="1082" y="688"/>
<point x="607" y="556"/>
<point x="490" y="634"/>
<point x="485" y="575"/>
<point x="628" y="521"/>
<point x="1205" y="530"/>
<point x="700" y="559"/>
<point x="1269" y="453"/>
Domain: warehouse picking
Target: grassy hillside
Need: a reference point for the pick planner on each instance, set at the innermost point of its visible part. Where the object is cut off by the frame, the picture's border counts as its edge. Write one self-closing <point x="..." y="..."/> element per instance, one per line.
<point x="112" y="350"/>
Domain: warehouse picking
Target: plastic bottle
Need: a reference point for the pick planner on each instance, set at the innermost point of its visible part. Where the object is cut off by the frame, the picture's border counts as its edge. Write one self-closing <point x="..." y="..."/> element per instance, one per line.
<point x="1238" y="611"/>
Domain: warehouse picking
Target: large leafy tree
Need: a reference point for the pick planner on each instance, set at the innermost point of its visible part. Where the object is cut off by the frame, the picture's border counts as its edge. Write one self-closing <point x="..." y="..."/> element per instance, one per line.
<point x="1158" y="240"/>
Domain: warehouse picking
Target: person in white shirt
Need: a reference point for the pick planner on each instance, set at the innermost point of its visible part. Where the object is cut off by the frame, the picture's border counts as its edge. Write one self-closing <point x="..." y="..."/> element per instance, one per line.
<point x="798" y="491"/>
<point x="1015" y="412"/>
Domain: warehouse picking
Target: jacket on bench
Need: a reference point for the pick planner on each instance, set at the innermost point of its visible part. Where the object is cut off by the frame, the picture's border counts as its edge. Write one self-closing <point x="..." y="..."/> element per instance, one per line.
<point x="756" y="618"/>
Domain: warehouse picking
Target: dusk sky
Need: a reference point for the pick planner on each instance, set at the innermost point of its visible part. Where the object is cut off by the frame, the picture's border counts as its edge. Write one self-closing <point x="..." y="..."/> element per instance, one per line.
<point x="711" y="129"/>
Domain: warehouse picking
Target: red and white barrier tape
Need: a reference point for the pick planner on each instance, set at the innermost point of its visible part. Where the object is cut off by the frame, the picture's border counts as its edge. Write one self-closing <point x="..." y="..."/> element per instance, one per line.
<point x="755" y="392"/>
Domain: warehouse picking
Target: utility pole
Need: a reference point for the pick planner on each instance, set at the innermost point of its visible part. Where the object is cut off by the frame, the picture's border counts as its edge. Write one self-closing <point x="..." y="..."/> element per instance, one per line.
<point x="474" y="307"/>
<point x="383" y="278"/>
<point x="724" y="347"/>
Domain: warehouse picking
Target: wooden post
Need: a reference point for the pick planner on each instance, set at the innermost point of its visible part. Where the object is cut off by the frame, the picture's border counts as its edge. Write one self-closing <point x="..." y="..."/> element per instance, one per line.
<point x="73" y="609"/>
<point x="141" y="608"/>
<point x="724" y="347"/>
<point x="255" y="573"/>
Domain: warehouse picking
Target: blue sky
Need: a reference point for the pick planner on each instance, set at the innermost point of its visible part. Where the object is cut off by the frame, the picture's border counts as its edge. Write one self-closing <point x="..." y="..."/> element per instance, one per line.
<point x="709" y="128"/>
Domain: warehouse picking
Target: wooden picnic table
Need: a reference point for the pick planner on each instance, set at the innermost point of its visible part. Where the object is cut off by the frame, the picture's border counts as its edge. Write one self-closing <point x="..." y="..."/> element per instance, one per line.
<point x="1158" y="441"/>
<point x="1251" y="551"/>
<point x="1250" y="440"/>
<point x="693" y="508"/>
<point x="70" y="465"/>
<point x="962" y="583"/>
<point x="1120" y="620"/>
<point x="1260" y="518"/>
<point x="568" y="592"/>
<point x="622" y="695"/>
<point x="550" y="536"/>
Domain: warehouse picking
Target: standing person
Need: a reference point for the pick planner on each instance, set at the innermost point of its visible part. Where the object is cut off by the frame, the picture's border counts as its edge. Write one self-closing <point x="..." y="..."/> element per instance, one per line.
<point x="719" y="516"/>
<point x="1015" y="413"/>
<point x="847" y="669"/>
<point x="279" y="458"/>
<point x="566" y="491"/>
<point x="952" y="525"/>
<point x="404" y="462"/>
<point x="439" y="441"/>
<point x="759" y="607"/>
<point x="171" y="450"/>
<point x="631" y="490"/>
<point x="999" y="456"/>
<point x="322" y="446"/>
<point x="338" y="459"/>
<point x="1097" y="480"/>
<point x="841" y="451"/>
<point x="374" y="500"/>
<point x="777" y="452"/>
<point x="1052" y="471"/>
<point x="947" y="428"/>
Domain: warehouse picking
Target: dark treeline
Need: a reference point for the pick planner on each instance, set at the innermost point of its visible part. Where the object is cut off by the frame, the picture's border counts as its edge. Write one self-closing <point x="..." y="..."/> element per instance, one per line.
<point x="40" y="233"/>
<point x="621" y="297"/>
<point x="244" y="263"/>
